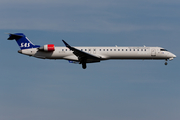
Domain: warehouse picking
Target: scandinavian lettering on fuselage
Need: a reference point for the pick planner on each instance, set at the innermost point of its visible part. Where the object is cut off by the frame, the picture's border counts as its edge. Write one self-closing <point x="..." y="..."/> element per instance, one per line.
<point x="83" y="55"/>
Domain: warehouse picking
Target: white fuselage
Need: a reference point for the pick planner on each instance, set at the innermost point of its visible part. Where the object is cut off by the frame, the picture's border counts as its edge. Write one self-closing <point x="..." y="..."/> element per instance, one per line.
<point x="104" y="53"/>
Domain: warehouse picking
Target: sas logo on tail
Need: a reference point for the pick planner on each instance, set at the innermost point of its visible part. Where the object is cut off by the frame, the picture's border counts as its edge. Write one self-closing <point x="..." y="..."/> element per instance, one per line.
<point x="25" y="44"/>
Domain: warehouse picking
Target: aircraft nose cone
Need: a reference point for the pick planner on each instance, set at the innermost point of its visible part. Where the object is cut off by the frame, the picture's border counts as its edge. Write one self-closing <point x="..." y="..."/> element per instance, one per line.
<point x="174" y="56"/>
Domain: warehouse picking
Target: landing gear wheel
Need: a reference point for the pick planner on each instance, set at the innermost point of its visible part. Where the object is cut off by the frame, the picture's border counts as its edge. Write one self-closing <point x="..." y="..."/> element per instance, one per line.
<point x="165" y="63"/>
<point x="84" y="65"/>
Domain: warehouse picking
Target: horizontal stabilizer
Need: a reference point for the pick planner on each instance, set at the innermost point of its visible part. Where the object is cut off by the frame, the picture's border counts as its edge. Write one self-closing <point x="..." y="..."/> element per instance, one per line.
<point x="14" y="36"/>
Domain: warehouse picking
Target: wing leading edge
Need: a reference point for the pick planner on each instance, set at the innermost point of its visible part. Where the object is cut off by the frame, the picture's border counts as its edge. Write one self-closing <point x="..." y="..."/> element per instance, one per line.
<point x="83" y="57"/>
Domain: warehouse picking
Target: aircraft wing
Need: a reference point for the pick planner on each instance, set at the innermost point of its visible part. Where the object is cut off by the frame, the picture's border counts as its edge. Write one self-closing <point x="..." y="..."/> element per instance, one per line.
<point x="82" y="56"/>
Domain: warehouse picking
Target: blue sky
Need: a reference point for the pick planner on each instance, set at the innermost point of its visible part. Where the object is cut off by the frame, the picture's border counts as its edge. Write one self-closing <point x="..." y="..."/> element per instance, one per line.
<point x="32" y="88"/>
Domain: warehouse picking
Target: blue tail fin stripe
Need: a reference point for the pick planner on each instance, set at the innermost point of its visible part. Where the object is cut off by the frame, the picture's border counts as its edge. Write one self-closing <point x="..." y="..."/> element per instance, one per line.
<point x="22" y="40"/>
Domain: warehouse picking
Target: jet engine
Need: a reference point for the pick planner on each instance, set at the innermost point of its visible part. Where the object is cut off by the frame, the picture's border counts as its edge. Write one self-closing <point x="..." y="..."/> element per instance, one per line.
<point x="48" y="47"/>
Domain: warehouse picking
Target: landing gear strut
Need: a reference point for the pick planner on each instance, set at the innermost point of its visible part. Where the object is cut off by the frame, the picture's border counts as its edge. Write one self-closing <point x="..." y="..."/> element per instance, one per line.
<point x="166" y="62"/>
<point x="84" y="65"/>
<point x="83" y="62"/>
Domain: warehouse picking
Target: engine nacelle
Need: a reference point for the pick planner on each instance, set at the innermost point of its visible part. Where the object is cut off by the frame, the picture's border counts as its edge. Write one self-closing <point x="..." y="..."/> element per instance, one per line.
<point x="48" y="47"/>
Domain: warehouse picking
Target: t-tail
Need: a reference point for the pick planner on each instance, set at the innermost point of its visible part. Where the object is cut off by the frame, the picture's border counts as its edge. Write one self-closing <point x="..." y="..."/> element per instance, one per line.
<point x="22" y="41"/>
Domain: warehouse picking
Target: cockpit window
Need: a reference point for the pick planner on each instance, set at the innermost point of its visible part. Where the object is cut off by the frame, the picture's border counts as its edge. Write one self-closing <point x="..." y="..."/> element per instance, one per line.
<point x="163" y="50"/>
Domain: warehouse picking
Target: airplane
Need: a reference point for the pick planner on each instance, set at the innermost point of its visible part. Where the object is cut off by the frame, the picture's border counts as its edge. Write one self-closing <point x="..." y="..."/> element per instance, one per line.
<point x="84" y="55"/>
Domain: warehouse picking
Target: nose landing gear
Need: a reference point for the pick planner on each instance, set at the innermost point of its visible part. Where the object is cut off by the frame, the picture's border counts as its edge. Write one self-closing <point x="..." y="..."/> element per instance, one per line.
<point x="166" y="62"/>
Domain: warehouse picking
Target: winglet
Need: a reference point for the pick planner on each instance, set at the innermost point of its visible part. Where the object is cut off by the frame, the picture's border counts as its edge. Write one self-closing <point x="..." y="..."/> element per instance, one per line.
<point x="67" y="45"/>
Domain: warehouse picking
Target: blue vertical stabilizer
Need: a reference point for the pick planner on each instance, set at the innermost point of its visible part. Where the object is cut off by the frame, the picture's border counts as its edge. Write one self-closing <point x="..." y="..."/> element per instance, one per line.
<point x="22" y="40"/>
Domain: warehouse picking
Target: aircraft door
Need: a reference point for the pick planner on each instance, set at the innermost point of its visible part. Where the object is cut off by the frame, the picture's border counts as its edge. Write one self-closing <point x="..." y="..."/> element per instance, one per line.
<point x="153" y="52"/>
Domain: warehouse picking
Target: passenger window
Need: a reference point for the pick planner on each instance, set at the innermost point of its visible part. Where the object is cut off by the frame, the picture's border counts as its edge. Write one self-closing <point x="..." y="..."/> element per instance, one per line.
<point x="114" y="49"/>
<point x="118" y="49"/>
<point x="107" y="49"/>
<point x="99" y="49"/>
<point x="122" y="49"/>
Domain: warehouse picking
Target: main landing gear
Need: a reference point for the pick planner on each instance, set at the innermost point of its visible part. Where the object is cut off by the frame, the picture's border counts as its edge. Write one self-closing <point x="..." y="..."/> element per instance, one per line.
<point x="84" y="65"/>
<point x="83" y="62"/>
